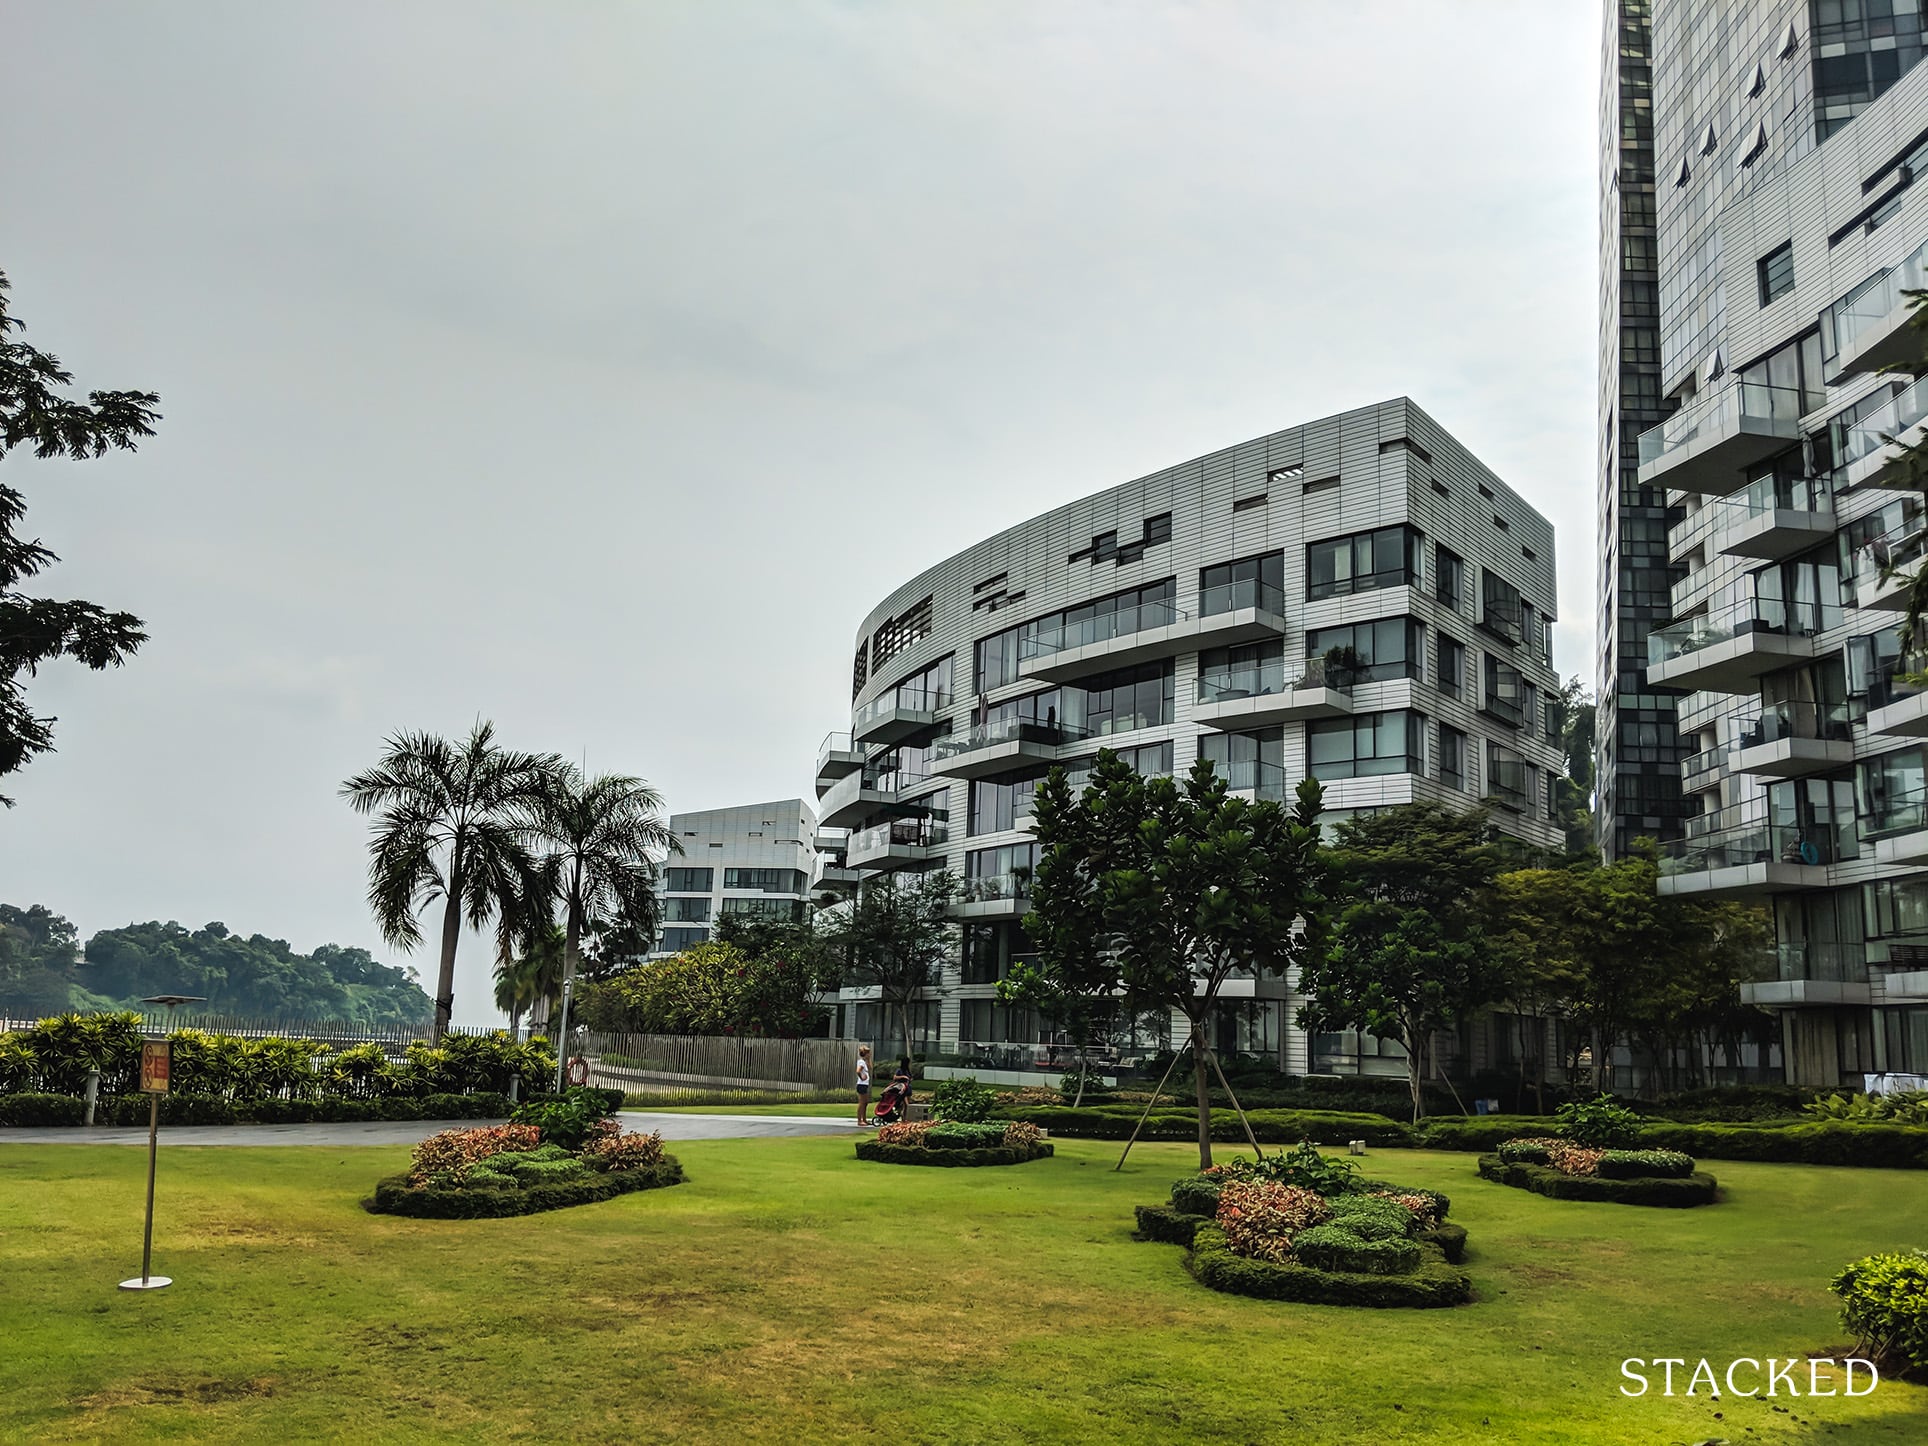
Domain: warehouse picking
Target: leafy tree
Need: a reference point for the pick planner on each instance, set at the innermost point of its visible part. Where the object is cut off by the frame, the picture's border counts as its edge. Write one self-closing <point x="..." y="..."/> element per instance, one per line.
<point x="451" y="821"/>
<point x="1162" y="891"/>
<point x="1574" y="793"/>
<point x="38" y="950"/>
<point x="1407" y="957"/>
<point x="528" y="971"/>
<point x="1538" y="928"/>
<point x="714" y="988"/>
<point x="895" y="936"/>
<point x="34" y="415"/>
<point x="600" y="836"/>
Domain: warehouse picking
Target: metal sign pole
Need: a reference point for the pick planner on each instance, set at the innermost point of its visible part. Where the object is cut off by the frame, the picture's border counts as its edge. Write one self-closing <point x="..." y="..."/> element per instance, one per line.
<point x="157" y="1069"/>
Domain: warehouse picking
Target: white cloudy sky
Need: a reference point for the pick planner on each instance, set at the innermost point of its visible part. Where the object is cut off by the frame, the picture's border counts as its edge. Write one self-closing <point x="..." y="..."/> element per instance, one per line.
<point x="596" y="367"/>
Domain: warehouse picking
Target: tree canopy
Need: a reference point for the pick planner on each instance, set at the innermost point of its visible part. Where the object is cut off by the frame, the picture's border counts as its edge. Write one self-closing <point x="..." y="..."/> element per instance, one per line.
<point x="35" y="415"/>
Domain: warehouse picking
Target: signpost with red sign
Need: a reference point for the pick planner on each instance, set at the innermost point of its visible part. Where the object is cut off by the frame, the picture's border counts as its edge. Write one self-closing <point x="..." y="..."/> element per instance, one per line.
<point x="157" y="1067"/>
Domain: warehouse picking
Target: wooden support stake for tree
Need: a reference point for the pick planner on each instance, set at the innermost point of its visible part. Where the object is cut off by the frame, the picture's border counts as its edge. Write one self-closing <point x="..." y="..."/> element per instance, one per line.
<point x="1176" y="1056"/>
<point x="1212" y="1055"/>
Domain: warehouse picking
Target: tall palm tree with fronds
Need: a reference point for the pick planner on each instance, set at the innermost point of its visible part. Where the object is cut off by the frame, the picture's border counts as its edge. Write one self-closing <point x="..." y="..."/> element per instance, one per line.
<point x="451" y="824"/>
<point x="528" y="970"/>
<point x="602" y="837"/>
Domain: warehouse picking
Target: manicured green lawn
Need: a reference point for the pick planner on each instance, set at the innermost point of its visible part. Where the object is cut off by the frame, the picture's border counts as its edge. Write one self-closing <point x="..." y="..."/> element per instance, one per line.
<point x="791" y="1293"/>
<point x="818" y="1111"/>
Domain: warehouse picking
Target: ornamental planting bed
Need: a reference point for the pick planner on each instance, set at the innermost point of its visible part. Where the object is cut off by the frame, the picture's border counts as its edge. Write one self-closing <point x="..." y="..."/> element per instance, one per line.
<point x="955" y="1144"/>
<point x="1300" y="1227"/>
<point x="1563" y="1170"/>
<point x="512" y="1170"/>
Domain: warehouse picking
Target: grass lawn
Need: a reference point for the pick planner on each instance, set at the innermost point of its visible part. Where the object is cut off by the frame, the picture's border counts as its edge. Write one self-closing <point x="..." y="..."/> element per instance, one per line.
<point x="844" y="1111"/>
<point x="792" y="1293"/>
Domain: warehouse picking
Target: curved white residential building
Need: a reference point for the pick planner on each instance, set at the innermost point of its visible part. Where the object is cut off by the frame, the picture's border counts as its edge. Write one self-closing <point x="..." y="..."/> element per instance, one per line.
<point x="1187" y="614"/>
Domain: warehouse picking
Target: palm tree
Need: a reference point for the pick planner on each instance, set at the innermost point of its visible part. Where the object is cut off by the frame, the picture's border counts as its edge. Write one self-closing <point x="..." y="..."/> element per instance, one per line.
<point x="602" y="836"/>
<point x="449" y="825"/>
<point x="530" y="977"/>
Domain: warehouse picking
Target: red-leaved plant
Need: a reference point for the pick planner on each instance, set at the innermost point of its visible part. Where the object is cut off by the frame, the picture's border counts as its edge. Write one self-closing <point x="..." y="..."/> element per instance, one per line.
<point x="1260" y="1218"/>
<point x="456" y="1152"/>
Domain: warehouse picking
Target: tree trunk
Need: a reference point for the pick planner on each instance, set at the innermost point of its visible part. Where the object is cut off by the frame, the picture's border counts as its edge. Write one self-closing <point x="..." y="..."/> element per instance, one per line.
<point x="1414" y="1066"/>
<point x="1081" y="1078"/>
<point x="571" y="950"/>
<point x="1539" y="1068"/>
<point x="445" y="972"/>
<point x="1202" y="1082"/>
<point x="903" y="1023"/>
<point x="515" y="1023"/>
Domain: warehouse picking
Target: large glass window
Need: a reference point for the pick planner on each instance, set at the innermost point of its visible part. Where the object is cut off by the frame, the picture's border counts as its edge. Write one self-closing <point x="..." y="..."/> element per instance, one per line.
<point x="1812" y="820"/>
<point x="676" y="940"/>
<point x="1249" y="670"/>
<point x="1801" y="596"/>
<point x="897" y="769"/>
<point x="990" y="949"/>
<point x="1452" y="665"/>
<point x="1252" y="582"/>
<point x="776" y="911"/>
<point x="995" y="806"/>
<point x="686" y="911"/>
<point x="995" y="661"/>
<point x="1452" y="758"/>
<point x="1897" y="908"/>
<point x="1147" y="760"/>
<point x="1119" y="615"/>
<point x="1371" y="652"/>
<point x="770" y="881"/>
<point x="1449" y="577"/>
<point x="1384" y="557"/>
<point x="1254" y="760"/>
<point x="1894" y="792"/>
<point x="1787" y="383"/>
<point x="1507" y="777"/>
<point x="1119" y="702"/>
<point x="998" y="873"/>
<point x="688" y="881"/>
<point x="1504" y="612"/>
<point x="1508" y="696"/>
<point x="1365" y="746"/>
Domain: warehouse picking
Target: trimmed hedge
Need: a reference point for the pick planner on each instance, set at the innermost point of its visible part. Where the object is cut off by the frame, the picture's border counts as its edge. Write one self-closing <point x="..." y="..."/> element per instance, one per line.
<point x="880" y="1153"/>
<point x="1817" y="1142"/>
<point x="1338" y="1247"/>
<point x="1645" y="1165"/>
<point x="1273" y="1127"/>
<point x="1193" y="1196"/>
<point x="1168" y="1226"/>
<point x="1432" y="1283"/>
<point x="1543" y="1180"/>
<point x="488" y="1202"/>
<point x="47" y="1110"/>
<point x="214" y="1110"/>
<point x="1478" y="1132"/>
<point x="1451" y="1240"/>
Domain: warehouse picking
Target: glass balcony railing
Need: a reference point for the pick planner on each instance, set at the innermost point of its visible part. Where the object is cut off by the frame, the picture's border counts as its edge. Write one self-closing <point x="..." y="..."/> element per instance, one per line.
<point x="903" y="833"/>
<point x="1337" y="673"/>
<point x="989" y="888"/>
<point x="1764" y="615"/>
<point x="1244" y="593"/>
<point x="1703" y="769"/>
<point x="1867" y="435"/>
<point x="1005" y="730"/>
<point x="1895" y="811"/>
<point x="1797" y="720"/>
<point x="1264" y="780"/>
<point x="1706" y="848"/>
<point x="1877" y="561"/>
<point x="1830" y="962"/>
<point x="1734" y="408"/>
<point x="1247" y="680"/>
<point x="1774" y="494"/>
<point x="1057" y="635"/>
<point x="901" y="700"/>
<point x="1870" y="304"/>
<point x="832" y="743"/>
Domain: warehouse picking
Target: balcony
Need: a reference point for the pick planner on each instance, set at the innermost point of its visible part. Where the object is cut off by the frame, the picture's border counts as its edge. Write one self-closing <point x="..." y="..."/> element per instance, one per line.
<point x="1726" y="654"/>
<point x="1793" y="975"/>
<point x="997" y="747"/>
<point x="837" y="879"/>
<point x="1062" y="651"/>
<point x="903" y="844"/>
<point x="1254" y="778"/>
<point x="899" y="716"/>
<point x="1897" y="710"/>
<point x="1773" y="519"/>
<point x="856" y="796"/>
<point x="1708" y="444"/>
<point x="1792" y="740"/>
<point x="1882" y="570"/>
<point x="1257" y="695"/>
<point x="1704" y="770"/>
<point x="836" y="758"/>
<point x="1868" y="452"/>
<point x="1868" y="329"/>
<point x="993" y="896"/>
<point x="830" y="841"/>
<point x="1744" y="860"/>
<point x="1898" y="824"/>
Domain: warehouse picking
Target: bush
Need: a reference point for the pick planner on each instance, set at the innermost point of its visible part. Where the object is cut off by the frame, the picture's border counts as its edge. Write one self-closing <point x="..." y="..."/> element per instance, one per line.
<point x="1731" y="1104"/>
<point x="1906" y="1107"/>
<point x="962" y="1101"/>
<point x="1884" y="1301"/>
<point x="949" y="1136"/>
<point x="1196" y="1195"/>
<point x="1436" y="1205"/>
<point x="568" y="1119"/>
<point x="1534" y="1151"/>
<point x="42" y="1110"/>
<point x="437" y="1200"/>
<point x="628" y="1151"/>
<point x="1431" y="1283"/>
<point x="1273" y="1127"/>
<point x="1302" y="1165"/>
<point x="1478" y="1132"/>
<point x="1601" y="1123"/>
<point x="1260" y="1217"/>
<point x="455" y="1152"/>
<point x="1643" y="1164"/>
<point x="1337" y="1247"/>
<point x="1370" y="1217"/>
<point x="1168" y="1225"/>
<point x="1451" y="1240"/>
<point x="1021" y="1133"/>
<point x="905" y="1132"/>
<point x="1541" y="1180"/>
<point x="1830" y="1142"/>
<point x="882" y="1152"/>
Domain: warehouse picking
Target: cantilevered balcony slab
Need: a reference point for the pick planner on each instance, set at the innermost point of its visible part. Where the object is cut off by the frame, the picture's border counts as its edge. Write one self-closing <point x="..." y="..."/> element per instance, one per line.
<point x="1744" y="880"/>
<point x="1167" y="640"/>
<point x="1730" y="664"/>
<point x="1906" y="717"/>
<point x="1870" y="327"/>
<point x="1794" y="757"/>
<point x="837" y="758"/>
<point x="1708" y="445"/>
<point x="891" y="846"/>
<point x="993" y="748"/>
<point x="1803" y="993"/>
<point x="850" y="800"/>
<point x="1910" y="846"/>
<point x="837" y="879"/>
<point x="1233" y="715"/>
<point x="889" y="719"/>
<point x="1774" y="533"/>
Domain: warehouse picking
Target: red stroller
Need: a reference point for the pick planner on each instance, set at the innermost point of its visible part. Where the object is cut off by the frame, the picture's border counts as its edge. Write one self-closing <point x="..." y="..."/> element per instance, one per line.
<point x="890" y="1106"/>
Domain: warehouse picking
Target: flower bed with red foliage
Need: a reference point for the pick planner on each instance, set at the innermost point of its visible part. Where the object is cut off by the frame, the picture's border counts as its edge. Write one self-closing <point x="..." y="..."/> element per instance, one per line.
<point x="512" y="1170"/>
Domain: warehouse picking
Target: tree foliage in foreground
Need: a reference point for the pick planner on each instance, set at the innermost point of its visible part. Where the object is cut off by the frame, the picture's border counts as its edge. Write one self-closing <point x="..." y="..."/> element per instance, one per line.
<point x="895" y="937"/>
<point x="717" y="987"/>
<point x="36" y="416"/>
<point x="1158" y="891"/>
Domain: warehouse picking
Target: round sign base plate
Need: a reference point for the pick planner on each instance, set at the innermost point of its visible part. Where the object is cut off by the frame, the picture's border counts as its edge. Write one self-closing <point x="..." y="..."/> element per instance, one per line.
<point x="153" y="1282"/>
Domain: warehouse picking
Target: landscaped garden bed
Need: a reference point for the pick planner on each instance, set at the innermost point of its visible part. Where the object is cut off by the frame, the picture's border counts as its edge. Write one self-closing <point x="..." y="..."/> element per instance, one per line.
<point x="1298" y="1226"/>
<point x="1561" y="1170"/>
<point x="955" y="1143"/>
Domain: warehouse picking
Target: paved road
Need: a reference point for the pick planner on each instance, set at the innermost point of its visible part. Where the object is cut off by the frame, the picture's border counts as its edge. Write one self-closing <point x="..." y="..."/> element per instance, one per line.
<point x="409" y="1132"/>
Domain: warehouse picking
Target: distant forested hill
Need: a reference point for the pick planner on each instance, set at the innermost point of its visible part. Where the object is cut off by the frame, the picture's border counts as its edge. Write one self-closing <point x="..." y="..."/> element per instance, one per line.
<point x="40" y="972"/>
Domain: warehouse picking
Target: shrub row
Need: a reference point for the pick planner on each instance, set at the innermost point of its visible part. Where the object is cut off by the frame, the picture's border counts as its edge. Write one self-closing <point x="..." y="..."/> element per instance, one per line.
<point x="214" y="1110"/>
<point x="878" y="1151"/>
<point x="1169" y="1225"/>
<point x="394" y="1196"/>
<point x="1543" y="1180"/>
<point x="1795" y="1142"/>
<point x="1432" y="1282"/>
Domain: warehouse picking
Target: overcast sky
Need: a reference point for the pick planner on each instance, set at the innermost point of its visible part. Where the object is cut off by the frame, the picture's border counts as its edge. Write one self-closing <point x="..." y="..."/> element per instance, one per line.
<point x="595" y="368"/>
